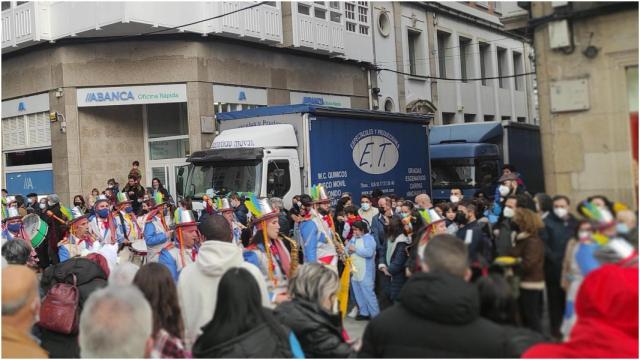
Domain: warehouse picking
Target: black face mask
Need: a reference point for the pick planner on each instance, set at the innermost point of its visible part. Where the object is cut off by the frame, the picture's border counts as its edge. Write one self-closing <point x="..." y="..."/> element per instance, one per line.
<point x="460" y="219"/>
<point x="77" y="203"/>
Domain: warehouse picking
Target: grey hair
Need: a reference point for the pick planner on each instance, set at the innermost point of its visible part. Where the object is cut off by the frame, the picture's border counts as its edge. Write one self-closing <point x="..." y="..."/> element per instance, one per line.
<point x="123" y="274"/>
<point x="314" y="282"/>
<point x="276" y="202"/>
<point x="116" y="322"/>
<point x="54" y="198"/>
<point x="16" y="251"/>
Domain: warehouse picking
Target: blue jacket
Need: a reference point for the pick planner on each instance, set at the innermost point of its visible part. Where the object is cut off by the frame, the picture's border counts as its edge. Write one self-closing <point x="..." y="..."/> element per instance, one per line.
<point x="151" y="238"/>
<point x="167" y="260"/>
<point x="311" y="235"/>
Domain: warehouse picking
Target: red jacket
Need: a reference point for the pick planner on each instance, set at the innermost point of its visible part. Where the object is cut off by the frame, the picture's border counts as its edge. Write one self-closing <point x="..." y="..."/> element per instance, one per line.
<point x="607" y="324"/>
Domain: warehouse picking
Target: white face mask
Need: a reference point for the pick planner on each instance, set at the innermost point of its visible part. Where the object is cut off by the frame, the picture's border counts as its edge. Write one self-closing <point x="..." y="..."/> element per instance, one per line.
<point x="43" y="206"/>
<point x="366" y="206"/>
<point x="560" y="212"/>
<point x="504" y="190"/>
<point x="509" y="212"/>
<point x="454" y="199"/>
<point x="584" y="234"/>
<point x="30" y="201"/>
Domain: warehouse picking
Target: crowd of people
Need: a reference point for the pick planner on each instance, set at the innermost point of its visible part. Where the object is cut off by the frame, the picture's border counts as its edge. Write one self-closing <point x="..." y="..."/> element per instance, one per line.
<point x="133" y="274"/>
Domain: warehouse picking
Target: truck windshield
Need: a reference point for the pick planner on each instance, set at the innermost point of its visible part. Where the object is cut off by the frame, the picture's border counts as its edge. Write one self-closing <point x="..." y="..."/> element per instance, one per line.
<point x="224" y="177"/>
<point x="464" y="173"/>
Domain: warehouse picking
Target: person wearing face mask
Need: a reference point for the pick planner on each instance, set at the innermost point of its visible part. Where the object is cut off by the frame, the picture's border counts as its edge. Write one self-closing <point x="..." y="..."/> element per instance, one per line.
<point x="504" y="232"/>
<point x="78" y="201"/>
<point x="627" y="226"/>
<point x="508" y="185"/>
<point x="456" y="195"/>
<point x="367" y="211"/>
<point x="157" y="234"/>
<point x="479" y="244"/>
<point x="32" y="203"/>
<point x="102" y="223"/>
<point x="559" y="227"/>
<point x="20" y="311"/>
<point x="127" y="228"/>
<point x="571" y="274"/>
<point x="12" y="224"/>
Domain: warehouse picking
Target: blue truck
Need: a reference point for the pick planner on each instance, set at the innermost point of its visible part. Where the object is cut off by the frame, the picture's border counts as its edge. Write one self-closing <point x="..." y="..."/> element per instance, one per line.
<point x="470" y="156"/>
<point x="282" y="151"/>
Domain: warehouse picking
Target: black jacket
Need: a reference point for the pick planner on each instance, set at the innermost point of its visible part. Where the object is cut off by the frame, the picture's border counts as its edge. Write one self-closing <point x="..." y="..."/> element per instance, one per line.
<point x="90" y="277"/>
<point x="556" y="235"/>
<point x="437" y="316"/>
<point x="319" y="333"/>
<point x="261" y="342"/>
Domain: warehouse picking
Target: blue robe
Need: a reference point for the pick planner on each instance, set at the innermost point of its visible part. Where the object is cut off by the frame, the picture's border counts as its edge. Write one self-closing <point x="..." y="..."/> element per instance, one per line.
<point x="362" y="282"/>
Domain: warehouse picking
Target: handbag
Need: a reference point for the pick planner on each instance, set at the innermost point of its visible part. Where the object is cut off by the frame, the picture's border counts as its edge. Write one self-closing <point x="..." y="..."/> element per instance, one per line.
<point x="59" y="310"/>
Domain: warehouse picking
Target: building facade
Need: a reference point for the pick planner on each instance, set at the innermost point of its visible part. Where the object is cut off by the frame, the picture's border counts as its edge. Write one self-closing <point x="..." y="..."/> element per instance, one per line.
<point x="587" y="63"/>
<point x="429" y="52"/>
<point x="121" y="97"/>
<point x="143" y="81"/>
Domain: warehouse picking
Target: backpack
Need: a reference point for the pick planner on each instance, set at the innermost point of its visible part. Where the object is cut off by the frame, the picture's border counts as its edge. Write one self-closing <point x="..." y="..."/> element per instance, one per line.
<point x="59" y="311"/>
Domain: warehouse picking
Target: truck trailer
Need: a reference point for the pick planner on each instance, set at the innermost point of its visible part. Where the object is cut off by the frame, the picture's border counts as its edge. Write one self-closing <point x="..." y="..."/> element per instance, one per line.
<point x="281" y="151"/>
<point x="470" y="157"/>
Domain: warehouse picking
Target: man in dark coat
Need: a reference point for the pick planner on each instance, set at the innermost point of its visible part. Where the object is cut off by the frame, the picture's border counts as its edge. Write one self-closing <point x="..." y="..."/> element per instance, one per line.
<point x="559" y="227"/>
<point x="437" y="314"/>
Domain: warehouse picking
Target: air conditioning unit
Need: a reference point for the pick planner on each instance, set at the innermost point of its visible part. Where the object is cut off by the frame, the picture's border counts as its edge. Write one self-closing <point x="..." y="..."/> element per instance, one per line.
<point x="559" y="34"/>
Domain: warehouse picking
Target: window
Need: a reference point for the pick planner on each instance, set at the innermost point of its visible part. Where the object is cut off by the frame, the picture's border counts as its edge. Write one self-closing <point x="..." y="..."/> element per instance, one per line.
<point x="502" y="68"/>
<point x="320" y="13"/>
<point x="506" y="118"/>
<point x="489" y="118"/>
<point x="448" y="118"/>
<point x="384" y="24"/>
<point x="334" y="4"/>
<point x="469" y="118"/>
<point x="6" y="5"/>
<point x="270" y="3"/>
<point x="465" y="58"/>
<point x="278" y="178"/>
<point x="219" y="107"/>
<point x="304" y="9"/>
<point x="168" y="131"/>
<point x="443" y="40"/>
<point x="413" y="37"/>
<point x="26" y="131"/>
<point x="359" y="23"/>
<point x="518" y="69"/>
<point x="485" y="61"/>
<point x="33" y="157"/>
<point x="522" y="119"/>
<point x="321" y="3"/>
<point x="335" y="16"/>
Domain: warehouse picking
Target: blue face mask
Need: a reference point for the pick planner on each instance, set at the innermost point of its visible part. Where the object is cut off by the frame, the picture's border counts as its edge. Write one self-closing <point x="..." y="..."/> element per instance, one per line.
<point x="129" y="209"/>
<point x="622" y="228"/>
<point x="103" y="213"/>
<point x="366" y="206"/>
<point x="14" y="228"/>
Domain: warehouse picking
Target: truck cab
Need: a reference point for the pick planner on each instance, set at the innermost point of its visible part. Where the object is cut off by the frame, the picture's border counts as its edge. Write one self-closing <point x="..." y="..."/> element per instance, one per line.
<point x="465" y="156"/>
<point x="261" y="159"/>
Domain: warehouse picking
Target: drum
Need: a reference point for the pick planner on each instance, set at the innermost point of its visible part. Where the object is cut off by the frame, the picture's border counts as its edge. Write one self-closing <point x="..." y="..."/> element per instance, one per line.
<point x="138" y="252"/>
<point x="35" y="229"/>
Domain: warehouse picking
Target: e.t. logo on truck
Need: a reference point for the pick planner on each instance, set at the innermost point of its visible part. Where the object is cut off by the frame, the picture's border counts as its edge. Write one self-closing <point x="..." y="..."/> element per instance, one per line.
<point x="375" y="151"/>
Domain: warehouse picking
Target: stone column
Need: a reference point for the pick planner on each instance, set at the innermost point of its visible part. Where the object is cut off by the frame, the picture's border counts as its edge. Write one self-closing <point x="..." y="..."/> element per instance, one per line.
<point x="65" y="146"/>
<point x="199" y="103"/>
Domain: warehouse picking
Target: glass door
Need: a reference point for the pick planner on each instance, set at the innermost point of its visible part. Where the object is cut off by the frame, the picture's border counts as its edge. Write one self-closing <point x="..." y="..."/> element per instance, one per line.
<point x="168" y="172"/>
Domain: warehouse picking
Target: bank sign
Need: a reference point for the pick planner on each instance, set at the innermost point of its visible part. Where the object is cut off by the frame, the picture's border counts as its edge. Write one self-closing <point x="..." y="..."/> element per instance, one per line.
<point x="25" y="182"/>
<point x="132" y="95"/>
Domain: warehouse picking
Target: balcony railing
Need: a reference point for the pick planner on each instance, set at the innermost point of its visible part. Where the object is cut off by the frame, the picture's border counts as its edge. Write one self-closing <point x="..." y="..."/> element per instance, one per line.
<point x="319" y="34"/>
<point x="36" y="21"/>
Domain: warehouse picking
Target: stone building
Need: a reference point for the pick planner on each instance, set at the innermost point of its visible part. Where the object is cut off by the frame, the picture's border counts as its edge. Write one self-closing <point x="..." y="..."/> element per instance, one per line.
<point x="587" y="73"/>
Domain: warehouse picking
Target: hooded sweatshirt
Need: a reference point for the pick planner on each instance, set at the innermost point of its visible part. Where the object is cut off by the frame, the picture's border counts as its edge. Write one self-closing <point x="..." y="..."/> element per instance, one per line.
<point x="198" y="284"/>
